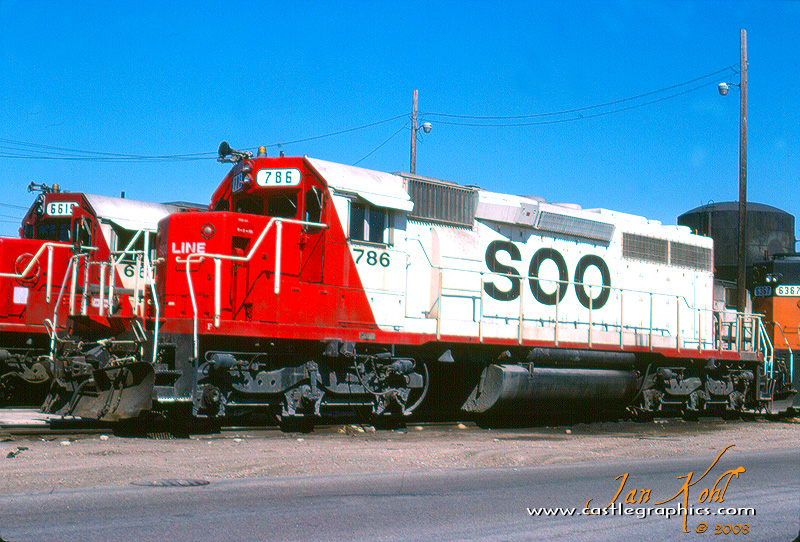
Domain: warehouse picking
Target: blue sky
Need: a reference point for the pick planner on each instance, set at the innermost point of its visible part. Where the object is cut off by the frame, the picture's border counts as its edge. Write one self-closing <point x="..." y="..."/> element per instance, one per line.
<point x="167" y="79"/>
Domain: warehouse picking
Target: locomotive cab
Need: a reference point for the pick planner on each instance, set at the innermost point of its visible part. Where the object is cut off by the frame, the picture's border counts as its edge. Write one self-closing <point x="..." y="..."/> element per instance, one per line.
<point x="271" y="270"/>
<point x="776" y="289"/>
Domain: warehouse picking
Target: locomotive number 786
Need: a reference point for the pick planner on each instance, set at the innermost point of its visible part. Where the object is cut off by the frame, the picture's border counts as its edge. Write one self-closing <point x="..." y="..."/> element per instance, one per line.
<point x="372" y="257"/>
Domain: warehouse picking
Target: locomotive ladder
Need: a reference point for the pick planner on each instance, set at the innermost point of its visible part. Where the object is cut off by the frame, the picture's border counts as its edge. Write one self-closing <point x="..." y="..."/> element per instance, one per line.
<point x="766" y="381"/>
<point x="790" y="368"/>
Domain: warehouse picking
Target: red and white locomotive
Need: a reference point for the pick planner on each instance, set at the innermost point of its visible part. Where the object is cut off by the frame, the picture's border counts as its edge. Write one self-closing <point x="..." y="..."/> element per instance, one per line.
<point x="77" y="273"/>
<point x="313" y="287"/>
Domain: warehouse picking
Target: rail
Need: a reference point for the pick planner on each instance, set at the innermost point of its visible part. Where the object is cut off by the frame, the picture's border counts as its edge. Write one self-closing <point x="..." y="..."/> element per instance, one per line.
<point x="218" y="258"/>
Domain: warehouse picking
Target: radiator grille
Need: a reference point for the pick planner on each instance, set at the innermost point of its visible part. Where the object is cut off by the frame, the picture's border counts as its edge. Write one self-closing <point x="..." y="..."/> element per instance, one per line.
<point x="683" y="255"/>
<point x="573" y="225"/>
<point x="442" y="202"/>
<point x="650" y="249"/>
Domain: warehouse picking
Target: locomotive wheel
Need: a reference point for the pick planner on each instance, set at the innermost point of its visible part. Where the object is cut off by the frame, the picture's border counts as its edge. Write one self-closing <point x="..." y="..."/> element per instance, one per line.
<point x="294" y="424"/>
<point x="16" y="390"/>
<point x="400" y="401"/>
<point x="692" y="407"/>
<point x="6" y="389"/>
<point x="297" y="425"/>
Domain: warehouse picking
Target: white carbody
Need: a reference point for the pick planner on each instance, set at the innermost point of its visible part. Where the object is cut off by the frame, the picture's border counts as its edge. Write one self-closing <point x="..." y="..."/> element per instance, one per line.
<point x="427" y="276"/>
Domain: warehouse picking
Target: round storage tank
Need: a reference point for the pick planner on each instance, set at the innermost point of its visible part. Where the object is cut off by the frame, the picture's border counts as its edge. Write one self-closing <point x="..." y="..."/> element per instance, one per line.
<point x="769" y="231"/>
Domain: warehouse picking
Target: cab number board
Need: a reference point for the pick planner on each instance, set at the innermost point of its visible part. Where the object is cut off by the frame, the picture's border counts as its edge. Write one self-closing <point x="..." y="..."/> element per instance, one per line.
<point x="763" y="291"/>
<point x="278" y="177"/>
<point x="60" y="208"/>
<point x="786" y="290"/>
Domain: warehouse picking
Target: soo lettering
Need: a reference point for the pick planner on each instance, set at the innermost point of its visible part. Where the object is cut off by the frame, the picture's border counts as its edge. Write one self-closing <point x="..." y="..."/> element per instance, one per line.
<point x="541" y="255"/>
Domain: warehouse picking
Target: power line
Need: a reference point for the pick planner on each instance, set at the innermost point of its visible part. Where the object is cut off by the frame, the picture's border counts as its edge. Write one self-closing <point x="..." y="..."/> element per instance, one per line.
<point x="13" y="206"/>
<point x="67" y="153"/>
<point x="579" y="110"/>
<point x="15" y="149"/>
<point x="339" y="132"/>
<point x="370" y="153"/>
<point x="579" y="116"/>
<point x="24" y="149"/>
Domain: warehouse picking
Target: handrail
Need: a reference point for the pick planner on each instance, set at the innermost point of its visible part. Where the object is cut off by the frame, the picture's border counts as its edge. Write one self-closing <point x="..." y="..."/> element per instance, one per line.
<point x="34" y="259"/>
<point x="142" y="259"/>
<point x="744" y="320"/>
<point x="70" y="265"/>
<point x="71" y="275"/>
<point x="200" y="256"/>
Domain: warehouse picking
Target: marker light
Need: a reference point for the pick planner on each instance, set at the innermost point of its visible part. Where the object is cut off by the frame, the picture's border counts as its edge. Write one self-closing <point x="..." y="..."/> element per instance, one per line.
<point x="207" y="231"/>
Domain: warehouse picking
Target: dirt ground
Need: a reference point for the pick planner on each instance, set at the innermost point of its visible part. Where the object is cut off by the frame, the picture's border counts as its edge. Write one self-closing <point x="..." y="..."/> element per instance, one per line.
<point x="47" y="462"/>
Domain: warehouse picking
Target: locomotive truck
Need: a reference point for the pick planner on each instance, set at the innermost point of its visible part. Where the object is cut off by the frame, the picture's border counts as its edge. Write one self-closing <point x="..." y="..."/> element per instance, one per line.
<point x="76" y="274"/>
<point x="311" y="288"/>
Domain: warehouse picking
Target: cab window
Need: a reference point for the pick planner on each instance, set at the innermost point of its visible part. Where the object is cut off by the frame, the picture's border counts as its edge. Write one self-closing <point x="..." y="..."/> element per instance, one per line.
<point x="250" y="206"/>
<point x="124" y="238"/>
<point x="53" y="231"/>
<point x="377" y="225"/>
<point x="282" y="206"/>
<point x="731" y="298"/>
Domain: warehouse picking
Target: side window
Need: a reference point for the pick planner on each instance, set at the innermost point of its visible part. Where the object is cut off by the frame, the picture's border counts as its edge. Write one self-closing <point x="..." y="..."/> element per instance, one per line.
<point x="357" y="214"/>
<point x="82" y="232"/>
<point x="313" y="205"/>
<point x="369" y="223"/>
<point x="377" y="225"/>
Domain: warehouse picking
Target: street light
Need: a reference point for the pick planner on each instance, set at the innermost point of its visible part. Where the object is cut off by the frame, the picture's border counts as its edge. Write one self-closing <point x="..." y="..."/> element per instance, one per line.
<point x="741" y="283"/>
<point x="426" y="127"/>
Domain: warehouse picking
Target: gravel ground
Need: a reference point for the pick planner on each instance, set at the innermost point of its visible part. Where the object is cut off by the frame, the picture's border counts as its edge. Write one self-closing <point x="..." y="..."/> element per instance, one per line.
<point x="31" y="464"/>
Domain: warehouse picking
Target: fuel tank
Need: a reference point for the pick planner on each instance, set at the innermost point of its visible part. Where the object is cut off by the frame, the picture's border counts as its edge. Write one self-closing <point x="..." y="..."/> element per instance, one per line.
<point x="506" y="386"/>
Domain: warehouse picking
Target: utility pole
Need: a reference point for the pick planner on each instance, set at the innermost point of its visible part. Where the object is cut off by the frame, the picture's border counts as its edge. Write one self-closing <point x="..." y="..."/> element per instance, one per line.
<point x="413" y="166"/>
<point x="741" y="285"/>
